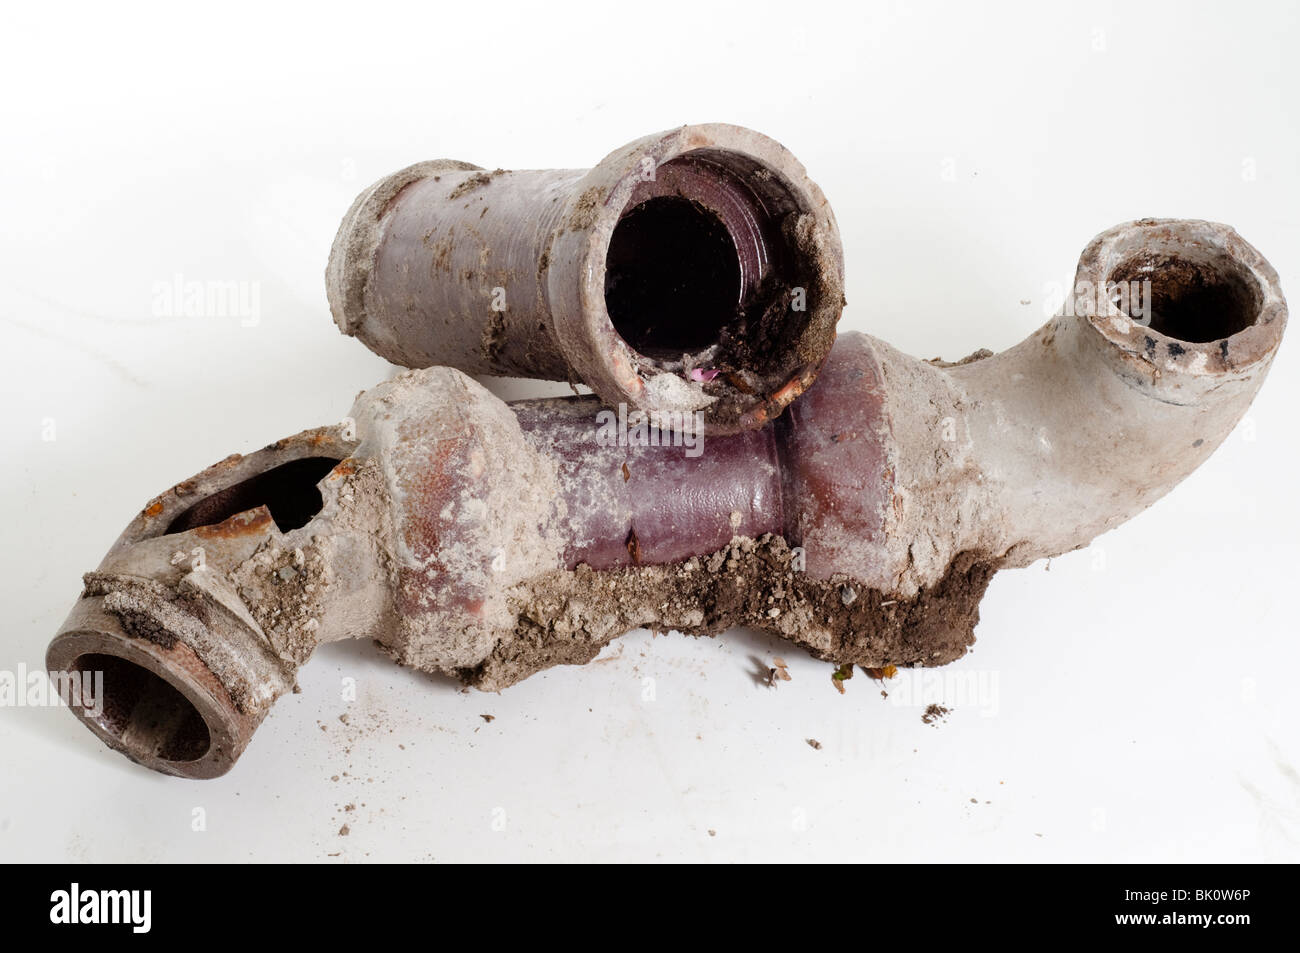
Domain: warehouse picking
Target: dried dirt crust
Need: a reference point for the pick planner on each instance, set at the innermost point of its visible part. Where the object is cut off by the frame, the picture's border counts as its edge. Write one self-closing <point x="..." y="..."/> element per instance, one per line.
<point x="567" y="617"/>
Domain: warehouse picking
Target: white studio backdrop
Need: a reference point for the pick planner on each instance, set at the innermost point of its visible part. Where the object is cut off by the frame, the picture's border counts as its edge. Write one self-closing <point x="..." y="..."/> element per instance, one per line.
<point x="1135" y="702"/>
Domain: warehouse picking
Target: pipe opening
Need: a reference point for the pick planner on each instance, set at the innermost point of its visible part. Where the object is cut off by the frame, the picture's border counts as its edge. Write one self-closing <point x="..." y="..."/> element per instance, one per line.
<point x="672" y="277"/>
<point x="707" y="269"/>
<point x="144" y="712"/>
<point x="288" y="491"/>
<point x="1195" y="300"/>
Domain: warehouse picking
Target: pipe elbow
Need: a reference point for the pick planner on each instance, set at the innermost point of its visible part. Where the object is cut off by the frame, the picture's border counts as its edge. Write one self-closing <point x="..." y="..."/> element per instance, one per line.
<point x="1165" y="337"/>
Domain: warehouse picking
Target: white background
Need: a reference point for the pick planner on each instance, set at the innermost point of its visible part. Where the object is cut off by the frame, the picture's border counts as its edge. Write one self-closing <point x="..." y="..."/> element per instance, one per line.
<point x="1145" y="704"/>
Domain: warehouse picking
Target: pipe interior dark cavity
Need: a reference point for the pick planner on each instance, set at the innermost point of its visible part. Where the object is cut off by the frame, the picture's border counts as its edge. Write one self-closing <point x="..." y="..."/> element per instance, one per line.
<point x="1191" y="300"/>
<point x="145" y="712"/>
<point x="288" y="491"/>
<point x="701" y="266"/>
<point x="672" y="278"/>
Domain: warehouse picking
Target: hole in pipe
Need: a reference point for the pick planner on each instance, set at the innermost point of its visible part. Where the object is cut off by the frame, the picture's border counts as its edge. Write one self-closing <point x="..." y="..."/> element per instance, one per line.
<point x="288" y="491"/>
<point x="144" y="711"/>
<point x="672" y="277"/>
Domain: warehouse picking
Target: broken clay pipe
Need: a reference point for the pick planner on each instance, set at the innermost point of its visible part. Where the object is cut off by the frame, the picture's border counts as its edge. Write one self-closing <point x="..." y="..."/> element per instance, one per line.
<point x="489" y="541"/>
<point x="695" y="270"/>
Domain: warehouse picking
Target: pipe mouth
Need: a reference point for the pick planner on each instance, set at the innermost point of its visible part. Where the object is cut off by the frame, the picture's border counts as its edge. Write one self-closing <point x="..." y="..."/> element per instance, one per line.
<point x="1189" y="293"/>
<point x="143" y="709"/>
<point x="1181" y="295"/>
<point x="710" y="277"/>
<point x="159" y="705"/>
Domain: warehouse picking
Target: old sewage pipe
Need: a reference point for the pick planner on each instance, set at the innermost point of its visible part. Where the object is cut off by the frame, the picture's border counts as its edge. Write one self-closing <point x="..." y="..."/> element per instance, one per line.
<point x="692" y="271"/>
<point x="489" y="540"/>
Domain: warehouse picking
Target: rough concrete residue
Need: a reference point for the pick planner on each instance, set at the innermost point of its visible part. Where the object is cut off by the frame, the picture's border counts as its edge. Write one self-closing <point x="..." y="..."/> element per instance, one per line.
<point x="284" y="589"/>
<point x="566" y="617"/>
<point x="138" y="603"/>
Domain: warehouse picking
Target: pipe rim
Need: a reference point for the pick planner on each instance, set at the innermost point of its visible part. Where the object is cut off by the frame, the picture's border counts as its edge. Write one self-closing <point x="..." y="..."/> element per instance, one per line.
<point x="1213" y="245"/>
<point x="90" y="631"/>
<point x="602" y="359"/>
